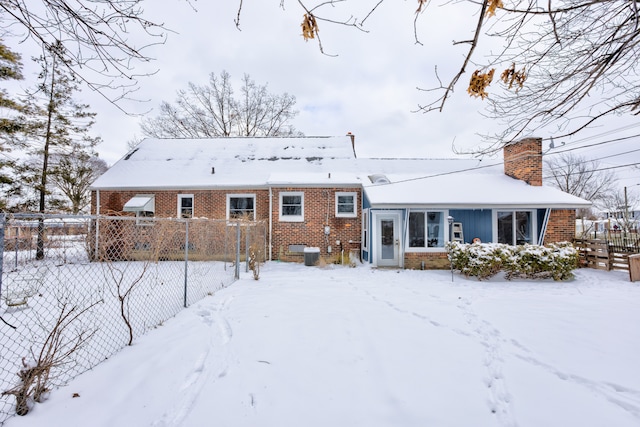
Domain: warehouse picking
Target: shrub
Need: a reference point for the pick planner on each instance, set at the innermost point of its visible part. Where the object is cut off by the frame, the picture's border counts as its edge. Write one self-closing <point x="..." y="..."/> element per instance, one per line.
<point x="483" y="260"/>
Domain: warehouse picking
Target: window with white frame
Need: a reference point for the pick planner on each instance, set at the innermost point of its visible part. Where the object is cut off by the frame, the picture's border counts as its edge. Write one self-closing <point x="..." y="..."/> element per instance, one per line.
<point x="514" y="227"/>
<point x="346" y="204"/>
<point x="365" y="229"/>
<point x="292" y="206"/>
<point x="142" y="217"/>
<point x="241" y="206"/>
<point x="426" y="229"/>
<point x="185" y="205"/>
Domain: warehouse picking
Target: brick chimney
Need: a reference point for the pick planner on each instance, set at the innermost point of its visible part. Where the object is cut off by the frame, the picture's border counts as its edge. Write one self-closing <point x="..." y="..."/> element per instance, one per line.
<point x="523" y="160"/>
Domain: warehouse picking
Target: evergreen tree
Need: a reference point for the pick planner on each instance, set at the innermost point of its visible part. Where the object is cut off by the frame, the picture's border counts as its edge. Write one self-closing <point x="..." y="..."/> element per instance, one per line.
<point x="55" y="125"/>
<point x="10" y="69"/>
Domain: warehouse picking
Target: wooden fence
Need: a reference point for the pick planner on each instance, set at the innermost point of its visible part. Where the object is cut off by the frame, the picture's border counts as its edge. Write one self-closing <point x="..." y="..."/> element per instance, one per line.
<point x="605" y="254"/>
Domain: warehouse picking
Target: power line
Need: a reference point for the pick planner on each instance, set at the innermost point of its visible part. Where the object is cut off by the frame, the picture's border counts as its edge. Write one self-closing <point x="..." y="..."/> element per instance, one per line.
<point x="609" y="132"/>
<point x="598" y="169"/>
<point x="595" y="144"/>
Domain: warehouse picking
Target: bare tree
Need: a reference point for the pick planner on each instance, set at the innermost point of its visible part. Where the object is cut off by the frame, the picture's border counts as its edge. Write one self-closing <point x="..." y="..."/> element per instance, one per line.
<point x="96" y="36"/>
<point x="68" y="334"/>
<point x="213" y="111"/>
<point x="581" y="177"/>
<point x="620" y="207"/>
<point x="73" y="173"/>
<point x="563" y="64"/>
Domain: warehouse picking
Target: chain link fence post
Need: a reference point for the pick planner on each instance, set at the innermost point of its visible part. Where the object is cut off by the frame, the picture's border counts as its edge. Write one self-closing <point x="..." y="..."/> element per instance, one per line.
<point x="237" y="269"/>
<point x="3" y="221"/>
<point x="246" y="248"/>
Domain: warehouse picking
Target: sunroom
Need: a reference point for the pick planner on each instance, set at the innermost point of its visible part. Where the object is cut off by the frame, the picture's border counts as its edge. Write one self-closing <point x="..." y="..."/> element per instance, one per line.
<point x="408" y="222"/>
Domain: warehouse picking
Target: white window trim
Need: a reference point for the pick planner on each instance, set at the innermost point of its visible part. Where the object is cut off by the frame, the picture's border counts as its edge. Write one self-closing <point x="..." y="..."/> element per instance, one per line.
<point x="291" y="218"/>
<point x="366" y="232"/>
<point x="241" y="195"/>
<point x="179" y="205"/>
<point x="353" y="214"/>
<point x="445" y="232"/>
<point x="534" y="222"/>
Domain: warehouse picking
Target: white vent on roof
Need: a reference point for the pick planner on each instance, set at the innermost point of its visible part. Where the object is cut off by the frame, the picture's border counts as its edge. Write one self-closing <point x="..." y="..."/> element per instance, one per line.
<point x="379" y="178"/>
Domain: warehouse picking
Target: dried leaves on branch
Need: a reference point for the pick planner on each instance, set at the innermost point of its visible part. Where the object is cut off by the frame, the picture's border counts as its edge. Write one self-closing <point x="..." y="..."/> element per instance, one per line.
<point x="309" y="26"/>
<point x="577" y="60"/>
<point x="479" y="82"/>
<point x="511" y="77"/>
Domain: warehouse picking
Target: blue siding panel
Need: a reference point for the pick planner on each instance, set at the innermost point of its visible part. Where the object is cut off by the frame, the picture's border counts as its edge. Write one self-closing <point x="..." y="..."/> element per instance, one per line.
<point x="475" y="223"/>
<point x="366" y="204"/>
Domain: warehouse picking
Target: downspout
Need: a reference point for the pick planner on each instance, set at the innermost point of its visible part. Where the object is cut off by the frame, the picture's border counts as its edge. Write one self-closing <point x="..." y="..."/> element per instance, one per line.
<point x="270" y="222"/>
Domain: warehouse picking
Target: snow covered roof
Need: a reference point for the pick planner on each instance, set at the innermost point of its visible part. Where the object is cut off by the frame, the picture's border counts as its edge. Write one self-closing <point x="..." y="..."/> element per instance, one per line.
<point x="471" y="190"/>
<point x="222" y="162"/>
<point x="157" y="164"/>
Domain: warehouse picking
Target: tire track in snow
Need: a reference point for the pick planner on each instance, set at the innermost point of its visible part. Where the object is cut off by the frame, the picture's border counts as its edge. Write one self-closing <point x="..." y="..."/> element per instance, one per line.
<point x="209" y="366"/>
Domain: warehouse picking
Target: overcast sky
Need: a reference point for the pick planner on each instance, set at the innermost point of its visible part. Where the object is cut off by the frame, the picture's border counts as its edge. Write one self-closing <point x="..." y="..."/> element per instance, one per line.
<point x="368" y="89"/>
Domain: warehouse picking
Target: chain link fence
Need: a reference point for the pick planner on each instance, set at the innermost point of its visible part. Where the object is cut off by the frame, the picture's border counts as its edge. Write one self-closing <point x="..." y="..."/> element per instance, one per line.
<point x="77" y="289"/>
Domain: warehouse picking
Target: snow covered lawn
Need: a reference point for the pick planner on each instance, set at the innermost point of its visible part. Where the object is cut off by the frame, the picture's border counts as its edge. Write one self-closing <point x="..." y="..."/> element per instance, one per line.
<point x="334" y="346"/>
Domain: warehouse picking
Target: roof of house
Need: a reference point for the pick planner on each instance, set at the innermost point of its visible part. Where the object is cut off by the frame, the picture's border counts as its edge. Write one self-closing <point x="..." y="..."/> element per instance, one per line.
<point x="470" y="190"/>
<point x="238" y="163"/>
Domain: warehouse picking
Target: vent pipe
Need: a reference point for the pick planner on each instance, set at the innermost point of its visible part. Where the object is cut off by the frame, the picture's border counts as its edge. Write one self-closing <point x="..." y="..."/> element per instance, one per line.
<point x="353" y="143"/>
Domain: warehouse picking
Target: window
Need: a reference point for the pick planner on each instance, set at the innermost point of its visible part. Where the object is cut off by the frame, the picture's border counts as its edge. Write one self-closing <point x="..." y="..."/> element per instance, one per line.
<point x="185" y="205"/>
<point x="426" y="229"/>
<point x="141" y="215"/>
<point x="144" y="207"/>
<point x="514" y="227"/>
<point x="241" y="206"/>
<point x="292" y="207"/>
<point x="346" y="205"/>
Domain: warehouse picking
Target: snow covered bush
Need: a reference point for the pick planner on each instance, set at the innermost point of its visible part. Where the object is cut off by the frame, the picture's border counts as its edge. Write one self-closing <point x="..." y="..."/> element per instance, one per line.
<point x="556" y="260"/>
<point x="483" y="260"/>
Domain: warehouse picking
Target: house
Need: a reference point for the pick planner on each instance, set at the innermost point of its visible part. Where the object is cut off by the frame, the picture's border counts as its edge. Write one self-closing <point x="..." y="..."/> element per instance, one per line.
<point x="315" y="192"/>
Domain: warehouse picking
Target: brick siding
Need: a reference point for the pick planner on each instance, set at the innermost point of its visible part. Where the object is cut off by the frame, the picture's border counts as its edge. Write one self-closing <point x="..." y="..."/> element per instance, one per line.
<point x="561" y="226"/>
<point x="523" y="160"/>
<point x="431" y="260"/>
<point x="319" y="210"/>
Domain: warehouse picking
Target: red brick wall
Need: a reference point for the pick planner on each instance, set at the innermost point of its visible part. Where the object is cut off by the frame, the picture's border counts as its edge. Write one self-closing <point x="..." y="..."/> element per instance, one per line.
<point x="523" y="160"/>
<point x="319" y="210"/>
<point x="206" y="203"/>
<point x="561" y="226"/>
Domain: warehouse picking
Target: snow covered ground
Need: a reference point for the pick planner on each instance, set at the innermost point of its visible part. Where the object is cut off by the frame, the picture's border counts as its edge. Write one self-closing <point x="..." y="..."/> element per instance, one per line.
<point x="334" y="346"/>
